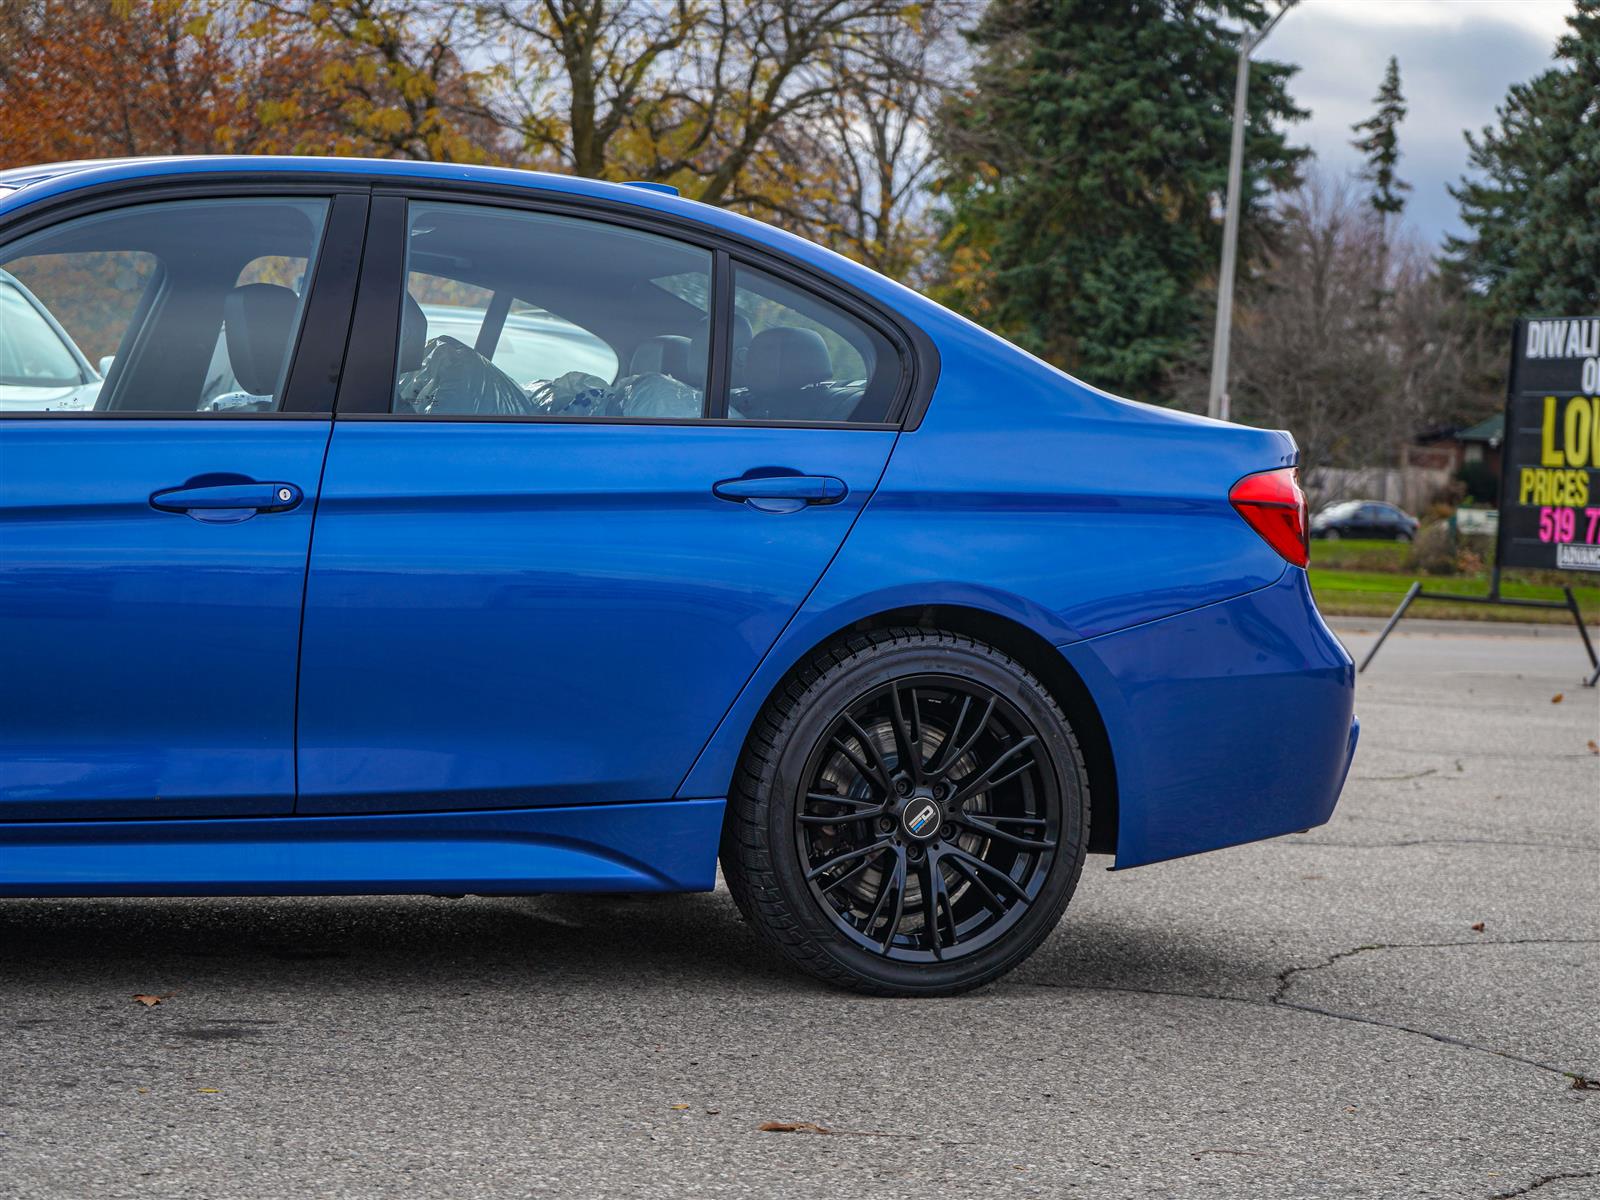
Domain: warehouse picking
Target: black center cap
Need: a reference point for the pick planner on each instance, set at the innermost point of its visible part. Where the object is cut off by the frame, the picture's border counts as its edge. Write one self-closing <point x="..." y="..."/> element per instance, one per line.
<point x="921" y="819"/>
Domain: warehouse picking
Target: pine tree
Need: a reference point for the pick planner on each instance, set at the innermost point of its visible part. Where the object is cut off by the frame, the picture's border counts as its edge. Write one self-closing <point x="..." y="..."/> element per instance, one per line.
<point x="1381" y="145"/>
<point x="1086" y="163"/>
<point x="1533" y="211"/>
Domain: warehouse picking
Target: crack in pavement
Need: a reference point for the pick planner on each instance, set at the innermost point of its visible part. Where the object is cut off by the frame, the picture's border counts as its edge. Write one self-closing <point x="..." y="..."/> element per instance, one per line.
<point x="1439" y="842"/>
<point x="1286" y="977"/>
<point x="1544" y="1179"/>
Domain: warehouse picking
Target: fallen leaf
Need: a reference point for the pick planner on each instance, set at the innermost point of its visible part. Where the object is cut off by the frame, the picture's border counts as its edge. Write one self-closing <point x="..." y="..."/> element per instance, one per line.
<point x="679" y="1107"/>
<point x="150" y="1001"/>
<point x="1594" y="746"/>
<point x="1558" y="698"/>
<point x="208" y="1091"/>
<point x="712" y="1112"/>
<point x="791" y="1127"/>
<point x="1582" y="1084"/>
<point x="1478" y="928"/>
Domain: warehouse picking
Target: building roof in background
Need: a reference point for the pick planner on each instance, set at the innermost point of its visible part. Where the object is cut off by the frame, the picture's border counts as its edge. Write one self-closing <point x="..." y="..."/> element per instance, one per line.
<point x="1491" y="430"/>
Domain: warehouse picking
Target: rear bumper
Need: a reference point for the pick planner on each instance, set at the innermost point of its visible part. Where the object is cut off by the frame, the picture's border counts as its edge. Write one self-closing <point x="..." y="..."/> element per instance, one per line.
<point x="1228" y="724"/>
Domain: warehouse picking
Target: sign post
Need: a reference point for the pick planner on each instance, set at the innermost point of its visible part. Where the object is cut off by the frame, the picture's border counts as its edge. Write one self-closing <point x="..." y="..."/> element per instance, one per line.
<point x="1550" y="469"/>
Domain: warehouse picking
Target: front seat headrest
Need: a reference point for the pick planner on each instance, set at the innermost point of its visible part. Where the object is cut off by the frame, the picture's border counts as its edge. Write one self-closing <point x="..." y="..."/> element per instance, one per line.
<point x="667" y="354"/>
<point x="413" y="335"/>
<point x="258" y="320"/>
<point x="786" y="358"/>
<point x="700" y="348"/>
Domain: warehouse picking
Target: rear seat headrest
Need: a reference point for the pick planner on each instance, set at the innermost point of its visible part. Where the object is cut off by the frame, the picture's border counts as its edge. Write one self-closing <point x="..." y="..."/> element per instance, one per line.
<point x="259" y="321"/>
<point x="667" y="354"/>
<point x="786" y="358"/>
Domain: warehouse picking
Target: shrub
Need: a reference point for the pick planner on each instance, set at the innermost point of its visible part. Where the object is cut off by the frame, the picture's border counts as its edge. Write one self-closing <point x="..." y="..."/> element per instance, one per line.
<point x="1434" y="550"/>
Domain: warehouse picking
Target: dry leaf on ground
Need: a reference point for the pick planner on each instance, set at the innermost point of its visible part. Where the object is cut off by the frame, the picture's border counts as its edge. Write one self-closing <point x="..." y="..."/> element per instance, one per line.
<point x="791" y="1127"/>
<point x="148" y="1000"/>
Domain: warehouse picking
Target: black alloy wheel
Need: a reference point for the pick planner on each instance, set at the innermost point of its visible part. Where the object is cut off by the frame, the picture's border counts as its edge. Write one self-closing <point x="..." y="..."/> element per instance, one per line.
<point x="911" y="814"/>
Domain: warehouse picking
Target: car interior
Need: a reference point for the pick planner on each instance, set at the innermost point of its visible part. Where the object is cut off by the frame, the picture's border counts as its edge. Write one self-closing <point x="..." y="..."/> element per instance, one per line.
<point x="194" y="332"/>
<point x="163" y="288"/>
<point x="646" y="297"/>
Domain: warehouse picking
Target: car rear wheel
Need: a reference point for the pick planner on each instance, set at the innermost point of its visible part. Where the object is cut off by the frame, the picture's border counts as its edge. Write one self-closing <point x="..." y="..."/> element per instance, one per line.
<point x="910" y="815"/>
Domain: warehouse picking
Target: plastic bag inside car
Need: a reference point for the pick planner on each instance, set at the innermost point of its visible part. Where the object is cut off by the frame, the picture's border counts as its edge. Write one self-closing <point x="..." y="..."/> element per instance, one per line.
<point x="575" y="394"/>
<point x="651" y="394"/>
<point x="656" y="395"/>
<point x="455" y="379"/>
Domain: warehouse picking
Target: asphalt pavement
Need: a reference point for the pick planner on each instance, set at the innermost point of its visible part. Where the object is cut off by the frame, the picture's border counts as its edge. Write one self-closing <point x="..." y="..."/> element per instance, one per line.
<point x="1401" y="1003"/>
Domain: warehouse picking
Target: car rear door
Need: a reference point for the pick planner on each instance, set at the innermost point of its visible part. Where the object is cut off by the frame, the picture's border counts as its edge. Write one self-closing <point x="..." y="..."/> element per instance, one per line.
<point x="546" y="561"/>
<point x="153" y="535"/>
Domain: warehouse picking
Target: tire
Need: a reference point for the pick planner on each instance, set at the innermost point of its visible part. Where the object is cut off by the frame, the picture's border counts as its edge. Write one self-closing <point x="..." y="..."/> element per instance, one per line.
<point x="1333" y="535"/>
<point x="827" y="846"/>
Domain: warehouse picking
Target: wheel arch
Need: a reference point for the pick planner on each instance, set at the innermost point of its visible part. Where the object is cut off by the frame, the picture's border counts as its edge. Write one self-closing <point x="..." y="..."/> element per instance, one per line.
<point x="1036" y="654"/>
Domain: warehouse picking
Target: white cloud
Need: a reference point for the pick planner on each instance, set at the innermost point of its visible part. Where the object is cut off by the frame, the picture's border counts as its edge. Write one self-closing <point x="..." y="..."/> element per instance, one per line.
<point x="1457" y="58"/>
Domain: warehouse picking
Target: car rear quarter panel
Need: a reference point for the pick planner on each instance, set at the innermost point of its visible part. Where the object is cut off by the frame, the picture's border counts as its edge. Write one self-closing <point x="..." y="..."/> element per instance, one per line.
<point x="1028" y="495"/>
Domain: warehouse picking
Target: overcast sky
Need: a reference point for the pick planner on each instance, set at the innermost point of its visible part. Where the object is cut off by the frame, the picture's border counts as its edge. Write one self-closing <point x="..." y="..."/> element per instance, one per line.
<point x="1457" y="58"/>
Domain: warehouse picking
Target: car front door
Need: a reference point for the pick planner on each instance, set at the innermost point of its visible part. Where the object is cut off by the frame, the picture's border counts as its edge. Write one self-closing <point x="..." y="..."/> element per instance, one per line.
<point x="550" y="552"/>
<point x="154" y="533"/>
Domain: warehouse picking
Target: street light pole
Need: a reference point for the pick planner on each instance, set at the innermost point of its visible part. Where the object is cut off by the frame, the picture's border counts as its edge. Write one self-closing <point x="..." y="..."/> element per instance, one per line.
<point x="1217" y="403"/>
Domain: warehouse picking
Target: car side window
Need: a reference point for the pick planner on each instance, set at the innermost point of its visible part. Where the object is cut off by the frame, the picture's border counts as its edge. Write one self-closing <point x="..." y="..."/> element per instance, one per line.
<point x="523" y="314"/>
<point x="188" y="306"/>
<point x="797" y="357"/>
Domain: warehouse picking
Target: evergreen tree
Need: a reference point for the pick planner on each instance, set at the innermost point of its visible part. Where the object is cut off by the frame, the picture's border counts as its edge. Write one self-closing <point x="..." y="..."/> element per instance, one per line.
<point x="1086" y="163"/>
<point x="1381" y="145"/>
<point x="1533" y="211"/>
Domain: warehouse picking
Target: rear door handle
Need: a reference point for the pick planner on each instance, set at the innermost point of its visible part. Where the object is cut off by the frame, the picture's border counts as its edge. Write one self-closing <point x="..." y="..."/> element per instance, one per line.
<point x="226" y="502"/>
<point x="781" y="493"/>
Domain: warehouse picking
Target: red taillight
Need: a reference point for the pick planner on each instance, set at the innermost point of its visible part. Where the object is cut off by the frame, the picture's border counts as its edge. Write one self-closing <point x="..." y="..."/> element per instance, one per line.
<point x="1275" y="507"/>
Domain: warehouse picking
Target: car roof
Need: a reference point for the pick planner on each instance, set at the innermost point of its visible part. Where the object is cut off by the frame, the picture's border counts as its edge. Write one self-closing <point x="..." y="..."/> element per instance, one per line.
<point x="24" y="186"/>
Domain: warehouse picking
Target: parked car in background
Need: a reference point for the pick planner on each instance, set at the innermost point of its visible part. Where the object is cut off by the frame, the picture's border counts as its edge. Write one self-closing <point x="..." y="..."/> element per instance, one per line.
<point x="1364" y="519"/>
<point x="644" y="534"/>
<point x="40" y="365"/>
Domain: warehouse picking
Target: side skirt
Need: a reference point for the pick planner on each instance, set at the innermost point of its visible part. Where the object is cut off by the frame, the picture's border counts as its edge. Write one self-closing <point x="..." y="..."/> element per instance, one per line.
<point x="670" y="846"/>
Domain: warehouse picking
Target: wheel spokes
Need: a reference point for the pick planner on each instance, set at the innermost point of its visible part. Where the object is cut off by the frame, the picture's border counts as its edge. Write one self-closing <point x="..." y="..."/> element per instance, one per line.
<point x="898" y="881"/>
<point x="880" y="782"/>
<point x="838" y="860"/>
<point x="879" y="763"/>
<point x="982" y="781"/>
<point x="864" y="810"/>
<point x="956" y="854"/>
<point x="948" y="760"/>
<point x="990" y="900"/>
<point x="874" y="873"/>
<point x="907" y="736"/>
<point x="936" y="898"/>
<point x="1017" y="841"/>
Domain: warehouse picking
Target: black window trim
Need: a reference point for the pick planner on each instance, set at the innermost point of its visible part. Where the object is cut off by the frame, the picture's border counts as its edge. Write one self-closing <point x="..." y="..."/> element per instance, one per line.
<point x="919" y="364"/>
<point x="360" y="397"/>
<point x="316" y="361"/>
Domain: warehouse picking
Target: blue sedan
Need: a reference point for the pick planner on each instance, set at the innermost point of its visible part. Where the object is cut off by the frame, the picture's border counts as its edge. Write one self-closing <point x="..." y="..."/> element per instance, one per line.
<point x="443" y="529"/>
